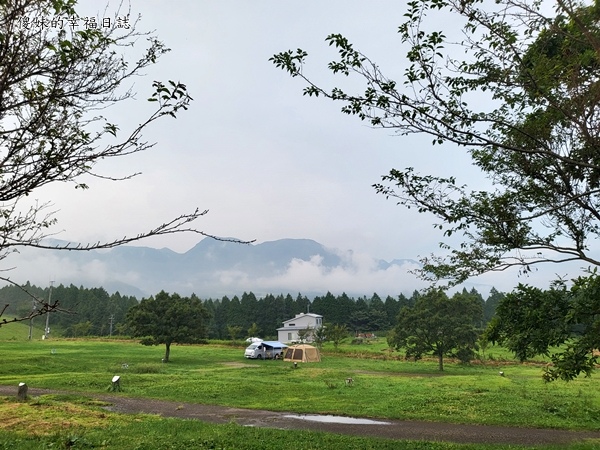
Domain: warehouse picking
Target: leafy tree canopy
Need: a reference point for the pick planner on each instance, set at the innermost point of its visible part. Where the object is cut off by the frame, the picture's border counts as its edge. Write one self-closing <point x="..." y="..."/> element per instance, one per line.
<point x="168" y="319"/>
<point x="531" y="321"/>
<point x="336" y="333"/>
<point x="520" y="92"/>
<point x="439" y="325"/>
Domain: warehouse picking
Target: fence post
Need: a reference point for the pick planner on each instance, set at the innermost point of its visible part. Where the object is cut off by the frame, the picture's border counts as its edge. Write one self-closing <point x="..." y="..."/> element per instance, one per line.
<point x="22" y="392"/>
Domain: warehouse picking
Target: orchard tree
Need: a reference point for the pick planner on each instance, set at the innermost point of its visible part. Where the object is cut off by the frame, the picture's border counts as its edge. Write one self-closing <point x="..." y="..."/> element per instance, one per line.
<point x="304" y="334"/>
<point x="439" y="325"/>
<point x="562" y="323"/>
<point x="234" y="332"/>
<point x="337" y="334"/>
<point x="81" y="328"/>
<point x="254" y="330"/>
<point x="168" y="319"/>
<point x="59" y="76"/>
<point x="320" y="336"/>
<point x="517" y="86"/>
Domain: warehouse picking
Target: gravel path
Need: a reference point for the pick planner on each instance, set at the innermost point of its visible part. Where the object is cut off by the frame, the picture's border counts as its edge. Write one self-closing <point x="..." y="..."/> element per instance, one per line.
<point x="390" y="429"/>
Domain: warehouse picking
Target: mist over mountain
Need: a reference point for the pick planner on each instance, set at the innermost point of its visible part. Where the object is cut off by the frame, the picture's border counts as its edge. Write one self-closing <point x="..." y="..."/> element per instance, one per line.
<point x="215" y="268"/>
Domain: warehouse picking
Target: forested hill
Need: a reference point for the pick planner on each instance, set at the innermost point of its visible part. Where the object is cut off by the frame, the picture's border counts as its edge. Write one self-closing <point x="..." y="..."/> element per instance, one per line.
<point x="92" y="311"/>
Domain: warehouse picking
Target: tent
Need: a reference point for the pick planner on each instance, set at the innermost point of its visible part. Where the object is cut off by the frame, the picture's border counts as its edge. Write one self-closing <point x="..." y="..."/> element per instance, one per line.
<point x="302" y="353"/>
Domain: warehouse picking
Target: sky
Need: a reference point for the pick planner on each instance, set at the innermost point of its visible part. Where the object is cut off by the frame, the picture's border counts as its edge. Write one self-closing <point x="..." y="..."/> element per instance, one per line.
<point x="267" y="162"/>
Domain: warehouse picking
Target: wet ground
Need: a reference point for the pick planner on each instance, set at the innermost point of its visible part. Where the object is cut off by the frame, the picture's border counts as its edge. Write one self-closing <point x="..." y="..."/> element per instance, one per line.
<point x="390" y="429"/>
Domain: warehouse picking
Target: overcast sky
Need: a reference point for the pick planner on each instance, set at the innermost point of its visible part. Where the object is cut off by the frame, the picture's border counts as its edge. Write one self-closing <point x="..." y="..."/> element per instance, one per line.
<point x="267" y="162"/>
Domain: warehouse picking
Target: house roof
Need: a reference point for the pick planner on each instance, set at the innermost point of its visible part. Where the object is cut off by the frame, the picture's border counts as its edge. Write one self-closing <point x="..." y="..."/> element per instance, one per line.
<point x="288" y="328"/>
<point x="299" y="316"/>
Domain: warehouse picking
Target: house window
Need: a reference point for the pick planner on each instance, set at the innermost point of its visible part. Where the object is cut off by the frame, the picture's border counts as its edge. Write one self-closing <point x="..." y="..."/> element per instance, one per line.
<point x="289" y="336"/>
<point x="291" y="324"/>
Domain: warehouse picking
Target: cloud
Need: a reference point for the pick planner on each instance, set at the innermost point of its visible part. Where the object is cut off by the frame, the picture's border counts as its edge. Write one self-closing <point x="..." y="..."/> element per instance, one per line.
<point x="42" y="267"/>
<point x="357" y="275"/>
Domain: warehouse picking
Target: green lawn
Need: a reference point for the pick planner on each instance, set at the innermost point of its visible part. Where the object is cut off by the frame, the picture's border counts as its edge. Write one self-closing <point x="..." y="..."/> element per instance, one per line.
<point x="391" y="388"/>
<point x="385" y="386"/>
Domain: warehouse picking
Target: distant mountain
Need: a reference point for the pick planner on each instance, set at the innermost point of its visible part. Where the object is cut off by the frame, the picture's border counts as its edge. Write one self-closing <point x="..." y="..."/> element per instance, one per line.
<point x="256" y="260"/>
<point x="215" y="268"/>
<point x="384" y="265"/>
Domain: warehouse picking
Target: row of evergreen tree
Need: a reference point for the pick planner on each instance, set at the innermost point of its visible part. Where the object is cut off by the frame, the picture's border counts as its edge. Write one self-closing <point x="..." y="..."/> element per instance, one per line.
<point x="93" y="311"/>
<point x="82" y="311"/>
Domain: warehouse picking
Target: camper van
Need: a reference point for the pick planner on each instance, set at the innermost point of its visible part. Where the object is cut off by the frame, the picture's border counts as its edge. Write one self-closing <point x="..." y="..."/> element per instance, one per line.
<point x="265" y="350"/>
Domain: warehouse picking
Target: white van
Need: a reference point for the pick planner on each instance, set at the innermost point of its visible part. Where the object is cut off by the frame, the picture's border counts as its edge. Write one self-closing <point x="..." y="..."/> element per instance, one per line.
<point x="265" y="350"/>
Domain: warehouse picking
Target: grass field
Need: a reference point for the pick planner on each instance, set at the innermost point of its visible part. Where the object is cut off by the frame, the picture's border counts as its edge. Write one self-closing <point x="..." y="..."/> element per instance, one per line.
<point x="384" y="386"/>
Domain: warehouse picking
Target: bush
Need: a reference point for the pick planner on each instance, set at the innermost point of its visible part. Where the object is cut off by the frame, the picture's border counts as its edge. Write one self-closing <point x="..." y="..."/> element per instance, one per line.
<point x="465" y="355"/>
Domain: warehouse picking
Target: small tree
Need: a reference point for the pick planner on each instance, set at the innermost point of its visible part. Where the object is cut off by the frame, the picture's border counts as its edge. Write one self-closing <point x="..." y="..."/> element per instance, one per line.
<point x="120" y="329"/>
<point x="234" y="332"/>
<point x="440" y="325"/>
<point x="81" y="328"/>
<point x="320" y="336"/>
<point x="337" y="334"/>
<point x="254" y="330"/>
<point x="483" y="343"/>
<point x="391" y="340"/>
<point x="305" y="334"/>
<point x="167" y="319"/>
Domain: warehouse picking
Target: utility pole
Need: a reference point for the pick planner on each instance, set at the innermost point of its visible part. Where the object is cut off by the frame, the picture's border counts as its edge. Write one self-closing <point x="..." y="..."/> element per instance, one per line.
<point x="31" y="318"/>
<point x="111" y="320"/>
<point x="47" y="329"/>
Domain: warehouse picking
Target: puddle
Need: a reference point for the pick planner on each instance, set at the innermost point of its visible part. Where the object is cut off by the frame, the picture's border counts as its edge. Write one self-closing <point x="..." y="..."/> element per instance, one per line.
<point x="336" y="419"/>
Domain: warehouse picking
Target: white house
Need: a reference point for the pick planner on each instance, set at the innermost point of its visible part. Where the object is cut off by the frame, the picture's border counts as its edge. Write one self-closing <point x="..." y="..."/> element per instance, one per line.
<point x="289" y="331"/>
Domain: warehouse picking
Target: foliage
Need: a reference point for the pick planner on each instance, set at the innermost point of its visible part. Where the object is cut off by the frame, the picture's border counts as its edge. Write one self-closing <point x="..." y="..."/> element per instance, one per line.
<point x="80" y="304"/>
<point x="519" y="92"/>
<point x="59" y="79"/>
<point x="391" y="339"/>
<point x="337" y="334"/>
<point x="234" y="331"/>
<point x="81" y="329"/>
<point x="320" y="336"/>
<point x="305" y="334"/>
<point x="254" y="330"/>
<point x="561" y="322"/>
<point x="440" y="325"/>
<point x="76" y="305"/>
<point x="491" y="304"/>
<point x="167" y="319"/>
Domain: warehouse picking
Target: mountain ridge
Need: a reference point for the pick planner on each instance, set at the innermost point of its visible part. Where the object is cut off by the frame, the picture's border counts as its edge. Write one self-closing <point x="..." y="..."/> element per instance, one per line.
<point x="212" y="268"/>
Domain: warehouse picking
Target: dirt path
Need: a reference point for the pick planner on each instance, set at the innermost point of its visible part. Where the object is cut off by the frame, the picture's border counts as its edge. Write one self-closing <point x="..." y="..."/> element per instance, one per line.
<point x="390" y="429"/>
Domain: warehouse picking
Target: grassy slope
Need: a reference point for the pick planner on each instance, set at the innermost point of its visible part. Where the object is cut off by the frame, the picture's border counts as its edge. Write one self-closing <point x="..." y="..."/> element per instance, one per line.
<point x="19" y="331"/>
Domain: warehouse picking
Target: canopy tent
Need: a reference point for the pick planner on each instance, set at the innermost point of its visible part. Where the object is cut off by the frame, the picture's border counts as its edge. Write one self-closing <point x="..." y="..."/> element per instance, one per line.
<point x="302" y="353"/>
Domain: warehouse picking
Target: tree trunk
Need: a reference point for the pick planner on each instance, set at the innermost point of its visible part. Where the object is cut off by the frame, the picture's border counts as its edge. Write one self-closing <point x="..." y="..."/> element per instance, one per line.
<point x="167" y="352"/>
<point x="441" y="361"/>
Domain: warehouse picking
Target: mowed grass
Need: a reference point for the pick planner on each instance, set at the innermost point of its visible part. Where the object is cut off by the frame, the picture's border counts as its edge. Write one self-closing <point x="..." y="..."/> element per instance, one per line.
<point x="392" y="388"/>
<point x="384" y="386"/>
